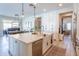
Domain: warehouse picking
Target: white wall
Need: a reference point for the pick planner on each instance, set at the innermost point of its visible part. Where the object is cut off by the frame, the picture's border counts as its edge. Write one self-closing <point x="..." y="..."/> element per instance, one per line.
<point x="1" y="28"/>
<point x="49" y="19"/>
<point x="76" y="11"/>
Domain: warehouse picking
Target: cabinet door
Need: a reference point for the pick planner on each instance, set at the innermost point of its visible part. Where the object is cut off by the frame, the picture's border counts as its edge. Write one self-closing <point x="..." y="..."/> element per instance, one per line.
<point x="23" y="49"/>
<point x="16" y="47"/>
<point x="46" y="43"/>
<point x="77" y="50"/>
<point x="11" y="45"/>
<point x="37" y="48"/>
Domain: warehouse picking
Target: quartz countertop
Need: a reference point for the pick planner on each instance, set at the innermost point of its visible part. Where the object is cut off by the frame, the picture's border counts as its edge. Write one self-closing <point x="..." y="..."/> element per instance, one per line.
<point x="27" y="37"/>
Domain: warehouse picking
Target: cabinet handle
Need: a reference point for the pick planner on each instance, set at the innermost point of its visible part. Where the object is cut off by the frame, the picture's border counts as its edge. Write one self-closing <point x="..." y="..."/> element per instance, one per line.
<point x="15" y="41"/>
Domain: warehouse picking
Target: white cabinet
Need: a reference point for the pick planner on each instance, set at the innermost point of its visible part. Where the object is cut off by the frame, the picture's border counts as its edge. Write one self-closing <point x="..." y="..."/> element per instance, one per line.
<point x="25" y="49"/>
<point x="77" y="50"/>
<point x="19" y="48"/>
<point x="11" y="45"/>
<point x="14" y="46"/>
<point x="46" y="43"/>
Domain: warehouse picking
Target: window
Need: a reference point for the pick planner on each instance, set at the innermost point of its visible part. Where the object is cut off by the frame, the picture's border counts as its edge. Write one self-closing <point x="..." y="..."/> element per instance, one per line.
<point x="68" y="26"/>
<point x="6" y="25"/>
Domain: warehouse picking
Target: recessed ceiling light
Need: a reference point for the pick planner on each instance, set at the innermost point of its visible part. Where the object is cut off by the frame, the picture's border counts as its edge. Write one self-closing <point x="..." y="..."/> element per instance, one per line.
<point x="44" y="10"/>
<point x="60" y="4"/>
<point x="35" y="4"/>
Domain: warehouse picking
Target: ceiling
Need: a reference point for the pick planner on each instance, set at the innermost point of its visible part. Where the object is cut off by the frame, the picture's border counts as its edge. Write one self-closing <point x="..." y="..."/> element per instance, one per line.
<point x="10" y="9"/>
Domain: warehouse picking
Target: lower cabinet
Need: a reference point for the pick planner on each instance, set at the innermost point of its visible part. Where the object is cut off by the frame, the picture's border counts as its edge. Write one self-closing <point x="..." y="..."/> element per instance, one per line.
<point x="11" y="46"/>
<point x="46" y="43"/>
<point x="18" y="48"/>
<point x="37" y="48"/>
<point x="14" y="47"/>
<point x="77" y="50"/>
<point x="25" y="49"/>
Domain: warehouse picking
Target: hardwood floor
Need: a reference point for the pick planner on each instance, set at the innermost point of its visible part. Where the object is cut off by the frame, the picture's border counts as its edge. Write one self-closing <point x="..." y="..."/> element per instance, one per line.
<point x="69" y="46"/>
<point x="56" y="51"/>
<point x="66" y="44"/>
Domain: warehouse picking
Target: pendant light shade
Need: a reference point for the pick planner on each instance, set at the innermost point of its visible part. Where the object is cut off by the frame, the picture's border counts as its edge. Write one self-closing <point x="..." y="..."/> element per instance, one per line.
<point x="34" y="7"/>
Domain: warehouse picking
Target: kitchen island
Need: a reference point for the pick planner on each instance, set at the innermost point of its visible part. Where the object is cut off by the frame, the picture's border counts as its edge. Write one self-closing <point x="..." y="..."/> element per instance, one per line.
<point x="25" y="44"/>
<point x="29" y="44"/>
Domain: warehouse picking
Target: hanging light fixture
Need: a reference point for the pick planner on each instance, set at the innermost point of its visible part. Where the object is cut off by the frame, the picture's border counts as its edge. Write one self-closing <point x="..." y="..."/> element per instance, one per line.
<point x="34" y="7"/>
<point x="22" y="10"/>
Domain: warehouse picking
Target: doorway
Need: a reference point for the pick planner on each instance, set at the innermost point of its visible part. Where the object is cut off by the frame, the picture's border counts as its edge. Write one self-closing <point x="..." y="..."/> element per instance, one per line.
<point x="67" y="25"/>
<point x="65" y="22"/>
<point x="66" y="29"/>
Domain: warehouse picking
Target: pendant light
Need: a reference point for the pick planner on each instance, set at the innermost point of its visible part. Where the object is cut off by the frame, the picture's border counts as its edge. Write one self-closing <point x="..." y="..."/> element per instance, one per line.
<point x="22" y="10"/>
<point x="34" y="7"/>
